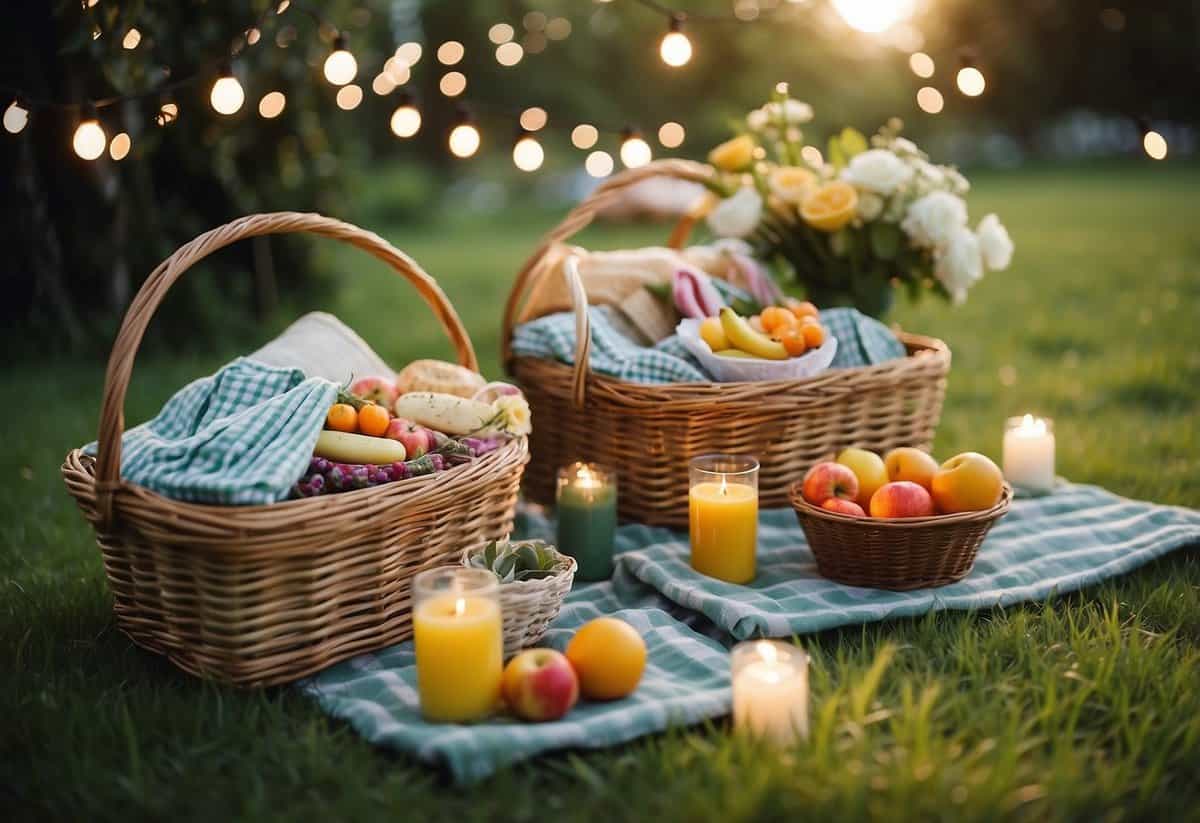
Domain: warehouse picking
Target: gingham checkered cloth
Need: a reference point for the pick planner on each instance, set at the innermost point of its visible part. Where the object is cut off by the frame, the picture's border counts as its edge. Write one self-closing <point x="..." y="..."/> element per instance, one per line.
<point x="239" y="437"/>
<point x="862" y="340"/>
<point x="1073" y="538"/>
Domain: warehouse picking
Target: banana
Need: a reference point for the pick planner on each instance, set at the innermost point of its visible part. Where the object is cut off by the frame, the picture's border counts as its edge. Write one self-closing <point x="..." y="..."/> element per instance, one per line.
<point x="748" y="340"/>
<point x="736" y="354"/>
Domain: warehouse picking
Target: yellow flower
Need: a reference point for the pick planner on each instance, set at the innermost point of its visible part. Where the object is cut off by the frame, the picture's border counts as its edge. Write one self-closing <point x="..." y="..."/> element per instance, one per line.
<point x="513" y="414"/>
<point x="733" y="155"/>
<point x="792" y="184"/>
<point x="830" y="207"/>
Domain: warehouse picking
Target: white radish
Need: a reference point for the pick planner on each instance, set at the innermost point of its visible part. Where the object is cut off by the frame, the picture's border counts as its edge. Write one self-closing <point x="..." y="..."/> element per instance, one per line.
<point x="346" y="447"/>
<point x="444" y="412"/>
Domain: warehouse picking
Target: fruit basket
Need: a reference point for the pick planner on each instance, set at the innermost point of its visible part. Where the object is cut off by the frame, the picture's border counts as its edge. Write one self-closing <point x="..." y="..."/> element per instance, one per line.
<point x="262" y="595"/>
<point x="897" y="554"/>
<point x="653" y="431"/>
<point x="528" y="607"/>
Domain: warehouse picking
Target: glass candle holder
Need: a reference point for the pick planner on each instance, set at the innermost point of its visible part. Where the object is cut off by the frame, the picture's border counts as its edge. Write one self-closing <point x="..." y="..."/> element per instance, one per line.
<point x="459" y="640"/>
<point x="1029" y="453"/>
<point x="770" y="691"/>
<point x="723" y="516"/>
<point x="587" y="518"/>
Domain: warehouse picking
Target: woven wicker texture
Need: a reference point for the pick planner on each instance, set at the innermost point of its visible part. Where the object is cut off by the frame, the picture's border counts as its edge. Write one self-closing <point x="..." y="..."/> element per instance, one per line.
<point x="901" y="554"/>
<point x="649" y="433"/>
<point x="529" y="606"/>
<point x="261" y="595"/>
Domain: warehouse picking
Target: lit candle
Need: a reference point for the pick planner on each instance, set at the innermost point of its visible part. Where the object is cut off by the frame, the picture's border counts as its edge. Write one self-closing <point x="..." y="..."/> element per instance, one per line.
<point x="587" y="518"/>
<point x="1029" y="453"/>
<point x="723" y="516"/>
<point x="459" y="643"/>
<point x="770" y="691"/>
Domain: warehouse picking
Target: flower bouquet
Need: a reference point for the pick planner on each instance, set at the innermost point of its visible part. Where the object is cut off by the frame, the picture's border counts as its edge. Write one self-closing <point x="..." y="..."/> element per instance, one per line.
<point x="855" y="224"/>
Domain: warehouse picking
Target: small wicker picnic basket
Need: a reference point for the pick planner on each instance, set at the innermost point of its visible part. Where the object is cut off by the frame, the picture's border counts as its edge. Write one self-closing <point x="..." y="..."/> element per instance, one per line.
<point x="901" y="554"/>
<point x="651" y="432"/>
<point x="262" y="595"/>
<point x="528" y="607"/>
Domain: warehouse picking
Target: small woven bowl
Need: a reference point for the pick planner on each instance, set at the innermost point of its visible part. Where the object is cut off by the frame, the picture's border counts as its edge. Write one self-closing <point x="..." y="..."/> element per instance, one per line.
<point x="528" y="606"/>
<point x="896" y="554"/>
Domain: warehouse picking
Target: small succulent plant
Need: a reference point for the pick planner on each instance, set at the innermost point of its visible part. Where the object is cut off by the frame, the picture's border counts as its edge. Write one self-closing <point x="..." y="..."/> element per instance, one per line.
<point x="522" y="560"/>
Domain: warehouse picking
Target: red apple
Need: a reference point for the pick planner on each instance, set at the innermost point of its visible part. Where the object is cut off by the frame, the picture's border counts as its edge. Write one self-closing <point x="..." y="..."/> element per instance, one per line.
<point x="901" y="498"/>
<point x="381" y="390"/>
<point x="837" y="504"/>
<point x="826" y="480"/>
<point x="540" y="684"/>
<point x="417" y="440"/>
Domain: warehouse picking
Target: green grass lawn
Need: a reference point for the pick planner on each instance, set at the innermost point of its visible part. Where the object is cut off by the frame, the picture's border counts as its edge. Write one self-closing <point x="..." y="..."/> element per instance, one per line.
<point x="1084" y="707"/>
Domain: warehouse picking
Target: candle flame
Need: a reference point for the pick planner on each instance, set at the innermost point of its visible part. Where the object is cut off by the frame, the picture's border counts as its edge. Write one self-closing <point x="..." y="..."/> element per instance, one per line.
<point x="767" y="652"/>
<point x="460" y="607"/>
<point x="1032" y="426"/>
<point x="724" y="485"/>
<point x="584" y="477"/>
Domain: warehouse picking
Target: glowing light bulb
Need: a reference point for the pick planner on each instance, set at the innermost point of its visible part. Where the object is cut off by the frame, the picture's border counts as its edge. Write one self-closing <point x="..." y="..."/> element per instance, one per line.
<point x="119" y="148"/>
<point x="675" y="48"/>
<point x="272" y="104"/>
<point x="584" y="136"/>
<point x="168" y="113"/>
<point x="599" y="164"/>
<point x="1155" y="145"/>
<point x="450" y="52"/>
<point x="382" y="84"/>
<point x="464" y="140"/>
<point x="348" y="97"/>
<point x="89" y="140"/>
<point x="921" y="64"/>
<point x="409" y="52"/>
<point x="528" y="154"/>
<point x="558" y="29"/>
<point x="500" y="33"/>
<point x="340" y="65"/>
<point x="406" y="120"/>
<point x="509" y="54"/>
<point x="227" y="95"/>
<point x="635" y="151"/>
<point x="253" y="36"/>
<point x="397" y="71"/>
<point x="533" y="118"/>
<point x="453" y="83"/>
<point x="930" y="100"/>
<point x="16" y="118"/>
<point x="131" y="39"/>
<point x="873" y="16"/>
<point x="671" y="135"/>
<point x="970" y="81"/>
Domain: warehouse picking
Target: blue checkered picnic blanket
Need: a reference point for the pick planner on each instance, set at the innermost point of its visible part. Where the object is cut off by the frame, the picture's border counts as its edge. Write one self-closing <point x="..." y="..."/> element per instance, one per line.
<point x="1073" y="538"/>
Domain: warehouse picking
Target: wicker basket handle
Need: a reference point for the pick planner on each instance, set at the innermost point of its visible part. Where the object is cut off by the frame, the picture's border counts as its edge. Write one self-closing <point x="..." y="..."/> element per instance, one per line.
<point x="152" y="292"/>
<point x="536" y="269"/>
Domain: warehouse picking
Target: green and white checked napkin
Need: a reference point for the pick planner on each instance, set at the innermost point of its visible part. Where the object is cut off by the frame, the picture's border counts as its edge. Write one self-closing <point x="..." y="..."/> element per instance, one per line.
<point x="862" y="340"/>
<point x="239" y="437"/>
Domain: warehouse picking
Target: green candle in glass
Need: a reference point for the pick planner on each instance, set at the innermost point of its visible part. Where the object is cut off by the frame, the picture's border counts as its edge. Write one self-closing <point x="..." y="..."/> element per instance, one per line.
<point x="587" y="518"/>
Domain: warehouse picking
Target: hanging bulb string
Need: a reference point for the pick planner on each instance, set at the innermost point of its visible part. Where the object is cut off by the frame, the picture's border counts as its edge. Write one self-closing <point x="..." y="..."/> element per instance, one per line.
<point x="685" y="16"/>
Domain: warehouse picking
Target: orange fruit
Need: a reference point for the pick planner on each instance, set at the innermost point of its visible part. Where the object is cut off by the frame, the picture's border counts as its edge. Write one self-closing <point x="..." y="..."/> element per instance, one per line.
<point x="830" y="207"/>
<point x="810" y="320"/>
<point x="373" y="419"/>
<point x="609" y="656"/>
<point x="793" y="341"/>
<point x="342" y="418"/>
<point x="814" y="335"/>
<point x="802" y="309"/>
<point x="776" y="318"/>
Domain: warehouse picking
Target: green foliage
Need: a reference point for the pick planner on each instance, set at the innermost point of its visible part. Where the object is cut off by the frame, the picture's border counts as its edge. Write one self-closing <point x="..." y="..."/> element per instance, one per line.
<point x="517" y="560"/>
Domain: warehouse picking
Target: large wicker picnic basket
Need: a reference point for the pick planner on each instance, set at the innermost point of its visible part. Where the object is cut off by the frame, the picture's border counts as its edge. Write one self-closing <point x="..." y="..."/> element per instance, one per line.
<point x="649" y="433"/>
<point x="261" y="595"/>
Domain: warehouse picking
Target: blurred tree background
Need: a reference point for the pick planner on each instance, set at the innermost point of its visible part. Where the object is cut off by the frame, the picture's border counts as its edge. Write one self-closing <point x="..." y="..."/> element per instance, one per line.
<point x="1064" y="78"/>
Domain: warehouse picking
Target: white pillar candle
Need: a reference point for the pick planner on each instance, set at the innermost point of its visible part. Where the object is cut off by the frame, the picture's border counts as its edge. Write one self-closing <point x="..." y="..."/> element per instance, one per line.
<point x="770" y="691"/>
<point x="1029" y="453"/>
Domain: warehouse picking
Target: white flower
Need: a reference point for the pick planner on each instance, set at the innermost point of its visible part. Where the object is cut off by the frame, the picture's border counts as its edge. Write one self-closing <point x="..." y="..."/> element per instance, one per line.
<point x="769" y="116"/>
<point x="870" y="206"/>
<point x="994" y="243"/>
<point x="877" y="170"/>
<point x="757" y="119"/>
<point x="512" y="415"/>
<point x="791" y="184"/>
<point x="903" y="146"/>
<point x="958" y="265"/>
<point x="957" y="183"/>
<point x="933" y="174"/>
<point x="934" y="218"/>
<point x="737" y="215"/>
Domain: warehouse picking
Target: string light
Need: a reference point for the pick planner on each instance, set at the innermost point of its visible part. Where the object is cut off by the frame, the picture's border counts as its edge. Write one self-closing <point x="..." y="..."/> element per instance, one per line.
<point x="272" y="104"/>
<point x="500" y="33"/>
<point x="599" y="164"/>
<point x="450" y="52"/>
<point x="406" y="119"/>
<point x="89" y="139"/>
<point x="340" y="65"/>
<point x="382" y="84"/>
<point x="167" y="114"/>
<point x="584" y="136"/>
<point x="509" y="54"/>
<point x="1155" y="145"/>
<point x="464" y="138"/>
<point x="16" y="117"/>
<point x="558" y="29"/>
<point x="453" y="83"/>
<point x="921" y="64"/>
<point x="283" y="6"/>
<point x="527" y="153"/>
<point x="930" y="100"/>
<point x="534" y="21"/>
<point x="409" y="52"/>
<point x="635" y="151"/>
<point x="131" y="40"/>
<point x="671" y="135"/>
<point x="675" y="48"/>
<point x="119" y="148"/>
<point x="253" y="36"/>
<point x="970" y="81"/>
<point x="397" y="71"/>
<point x="349" y="96"/>
<point x="873" y="16"/>
<point x="227" y="95"/>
